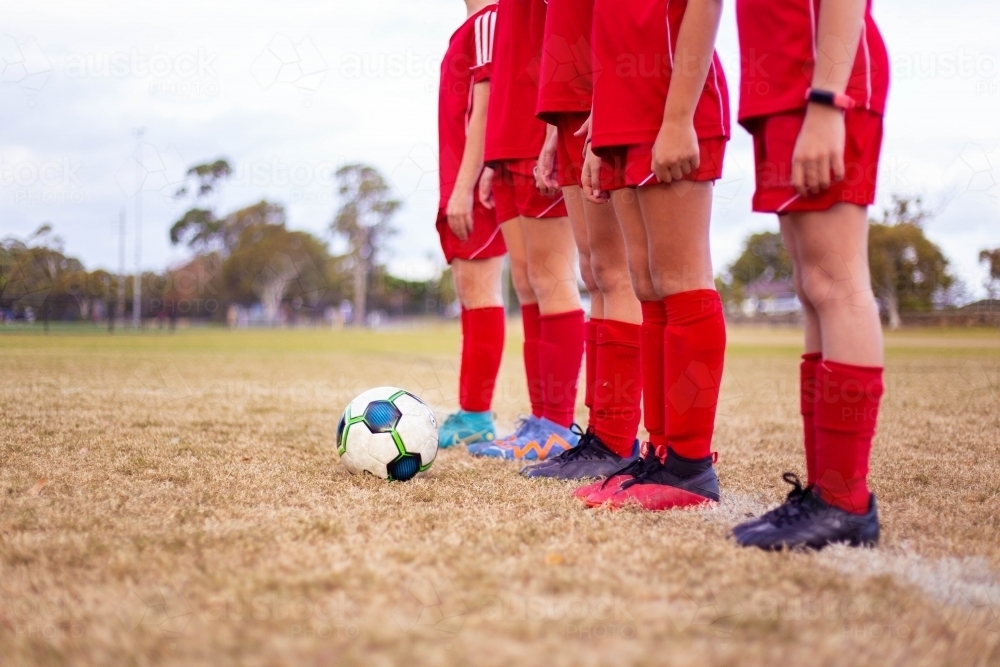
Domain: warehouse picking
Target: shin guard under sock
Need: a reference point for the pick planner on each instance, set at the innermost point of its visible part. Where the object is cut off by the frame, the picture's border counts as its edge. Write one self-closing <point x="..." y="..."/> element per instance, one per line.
<point x="651" y="333"/>
<point x="590" y="362"/>
<point x="560" y="356"/>
<point x="807" y="403"/>
<point x="846" y="415"/>
<point x="482" y="350"/>
<point x="694" y="353"/>
<point x="532" y="366"/>
<point x="618" y="390"/>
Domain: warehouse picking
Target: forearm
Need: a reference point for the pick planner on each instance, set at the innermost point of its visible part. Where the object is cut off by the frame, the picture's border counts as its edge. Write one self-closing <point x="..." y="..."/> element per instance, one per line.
<point x="838" y="34"/>
<point x="475" y="142"/>
<point x="693" y="56"/>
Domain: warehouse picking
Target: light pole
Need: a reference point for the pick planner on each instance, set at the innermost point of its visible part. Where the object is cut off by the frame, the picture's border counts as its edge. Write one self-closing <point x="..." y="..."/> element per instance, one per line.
<point x="137" y="280"/>
<point x="122" y="232"/>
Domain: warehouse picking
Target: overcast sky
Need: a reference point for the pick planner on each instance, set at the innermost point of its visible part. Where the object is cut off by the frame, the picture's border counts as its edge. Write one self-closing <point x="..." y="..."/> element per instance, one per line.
<point x="289" y="90"/>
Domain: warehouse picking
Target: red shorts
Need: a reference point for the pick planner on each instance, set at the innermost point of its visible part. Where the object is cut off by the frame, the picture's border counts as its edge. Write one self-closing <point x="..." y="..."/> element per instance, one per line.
<point x="569" y="158"/>
<point x="515" y="193"/>
<point x="631" y="166"/>
<point x="773" y="142"/>
<point x="484" y="242"/>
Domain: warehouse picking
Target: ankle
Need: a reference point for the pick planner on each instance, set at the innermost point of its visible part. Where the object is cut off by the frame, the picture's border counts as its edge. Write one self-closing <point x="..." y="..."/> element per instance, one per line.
<point x="684" y="467"/>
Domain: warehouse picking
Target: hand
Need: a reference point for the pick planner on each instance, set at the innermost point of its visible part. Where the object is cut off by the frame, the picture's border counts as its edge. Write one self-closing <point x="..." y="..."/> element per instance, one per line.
<point x="584" y="130"/>
<point x="545" y="170"/>
<point x="819" y="150"/>
<point x="486" y="188"/>
<point x="675" y="151"/>
<point x="590" y="179"/>
<point x="459" y="213"/>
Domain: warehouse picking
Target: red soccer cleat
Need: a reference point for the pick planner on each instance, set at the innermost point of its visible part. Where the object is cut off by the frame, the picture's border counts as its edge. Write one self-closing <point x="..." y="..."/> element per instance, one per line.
<point x="659" y="487"/>
<point x="606" y="488"/>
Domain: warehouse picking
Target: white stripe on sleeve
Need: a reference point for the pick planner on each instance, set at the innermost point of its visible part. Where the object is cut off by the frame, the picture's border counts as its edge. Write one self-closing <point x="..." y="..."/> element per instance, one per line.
<point x="479" y="41"/>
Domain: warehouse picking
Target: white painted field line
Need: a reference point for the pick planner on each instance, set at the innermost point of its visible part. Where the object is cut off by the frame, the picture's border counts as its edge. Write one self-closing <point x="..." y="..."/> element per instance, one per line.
<point x="966" y="582"/>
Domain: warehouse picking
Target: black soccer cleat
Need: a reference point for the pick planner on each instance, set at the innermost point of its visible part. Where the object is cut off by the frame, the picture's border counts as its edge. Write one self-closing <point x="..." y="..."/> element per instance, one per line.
<point x="806" y="521"/>
<point x="791" y="504"/>
<point x="590" y="459"/>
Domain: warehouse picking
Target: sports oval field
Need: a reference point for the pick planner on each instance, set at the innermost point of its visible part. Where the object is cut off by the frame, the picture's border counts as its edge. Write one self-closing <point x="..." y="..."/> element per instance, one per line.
<point x="177" y="500"/>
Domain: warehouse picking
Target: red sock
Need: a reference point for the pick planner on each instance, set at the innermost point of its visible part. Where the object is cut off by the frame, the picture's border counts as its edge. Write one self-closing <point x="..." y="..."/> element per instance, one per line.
<point x="560" y="356"/>
<point x="807" y="400"/>
<point x="532" y="365"/>
<point x="694" y="353"/>
<point x="482" y="349"/>
<point x="618" y="389"/>
<point x="846" y="412"/>
<point x="590" y="357"/>
<point x="654" y="321"/>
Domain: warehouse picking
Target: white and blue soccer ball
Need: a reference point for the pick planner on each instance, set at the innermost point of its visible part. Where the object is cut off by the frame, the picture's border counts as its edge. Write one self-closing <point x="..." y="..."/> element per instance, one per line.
<point x="389" y="433"/>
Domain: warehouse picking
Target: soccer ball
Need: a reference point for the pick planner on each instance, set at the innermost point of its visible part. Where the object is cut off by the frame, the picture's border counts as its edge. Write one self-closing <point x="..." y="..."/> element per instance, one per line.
<point x="389" y="433"/>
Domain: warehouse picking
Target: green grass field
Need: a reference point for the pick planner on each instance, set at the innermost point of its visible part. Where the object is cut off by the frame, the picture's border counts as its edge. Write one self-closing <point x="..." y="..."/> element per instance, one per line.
<point x="177" y="500"/>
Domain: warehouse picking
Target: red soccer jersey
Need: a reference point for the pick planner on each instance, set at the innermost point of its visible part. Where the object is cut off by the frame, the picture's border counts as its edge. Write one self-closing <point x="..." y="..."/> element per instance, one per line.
<point x="777" y="47"/>
<point x="512" y="130"/>
<point x="566" y="81"/>
<point x="465" y="63"/>
<point x="634" y="47"/>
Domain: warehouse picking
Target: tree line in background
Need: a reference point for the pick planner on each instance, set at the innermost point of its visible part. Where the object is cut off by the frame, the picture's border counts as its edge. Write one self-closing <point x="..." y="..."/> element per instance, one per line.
<point x="245" y="261"/>
<point x="249" y="260"/>
<point x="910" y="273"/>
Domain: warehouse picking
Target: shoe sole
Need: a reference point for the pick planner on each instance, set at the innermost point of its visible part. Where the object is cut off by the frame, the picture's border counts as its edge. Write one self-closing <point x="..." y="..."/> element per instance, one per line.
<point x="519" y="453"/>
<point x="596" y="493"/>
<point x="525" y="454"/>
<point x="652" y="497"/>
<point x="474" y="439"/>
<point x="563" y="476"/>
<point x="852" y="542"/>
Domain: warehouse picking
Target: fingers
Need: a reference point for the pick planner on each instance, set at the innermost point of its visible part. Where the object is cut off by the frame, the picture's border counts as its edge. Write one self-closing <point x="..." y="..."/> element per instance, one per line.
<point x="675" y="170"/>
<point x="597" y="196"/>
<point x="460" y="225"/>
<point x="584" y="129"/>
<point x="539" y="178"/>
<point x="486" y="192"/>
<point x="799" y="177"/>
<point x="823" y="173"/>
<point x="545" y="180"/>
<point x="811" y="170"/>
<point x="812" y="175"/>
<point x="838" y="167"/>
<point x="590" y="180"/>
<point x="585" y="179"/>
<point x="486" y="198"/>
<point x="592" y="188"/>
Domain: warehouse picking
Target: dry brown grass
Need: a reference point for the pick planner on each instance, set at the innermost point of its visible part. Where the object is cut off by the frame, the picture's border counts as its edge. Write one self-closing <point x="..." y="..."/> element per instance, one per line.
<point x="177" y="501"/>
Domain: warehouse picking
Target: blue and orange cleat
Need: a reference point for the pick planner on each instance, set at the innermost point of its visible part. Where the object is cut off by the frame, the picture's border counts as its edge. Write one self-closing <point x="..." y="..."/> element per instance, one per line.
<point x="543" y="440"/>
<point x="525" y="427"/>
<point x="590" y="459"/>
<point x="466" y="428"/>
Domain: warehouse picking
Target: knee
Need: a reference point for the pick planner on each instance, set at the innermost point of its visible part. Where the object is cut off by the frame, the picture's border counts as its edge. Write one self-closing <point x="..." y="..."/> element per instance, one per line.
<point x="800" y="290"/>
<point x="642" y="284"/>
<point x="610" y="277"/>
<point x="587" y="273"/>
<point x="540" y="279"/>
<point x="815" y="289"/>
<point x="519" y="277"/>
<point x="665" y="283"/>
